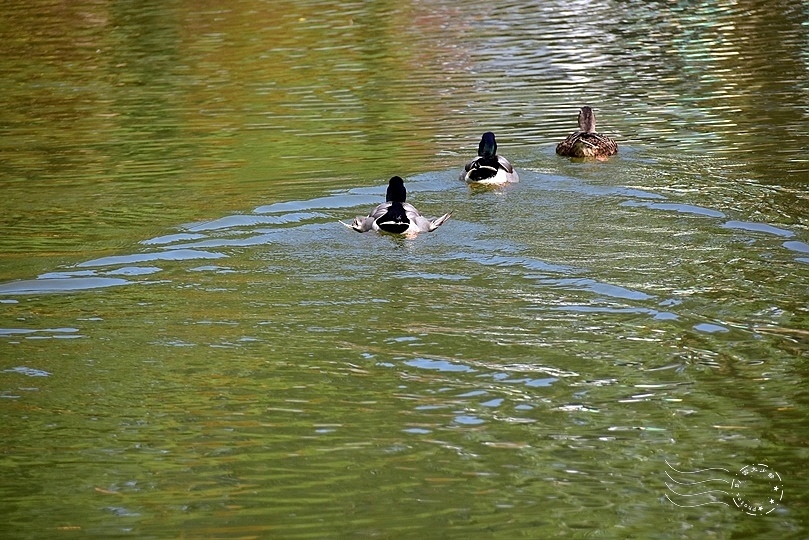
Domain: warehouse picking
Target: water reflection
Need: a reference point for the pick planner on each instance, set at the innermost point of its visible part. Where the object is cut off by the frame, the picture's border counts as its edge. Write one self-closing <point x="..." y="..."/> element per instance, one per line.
<point x="523" y="371"/>
<point x="314" y="92"/>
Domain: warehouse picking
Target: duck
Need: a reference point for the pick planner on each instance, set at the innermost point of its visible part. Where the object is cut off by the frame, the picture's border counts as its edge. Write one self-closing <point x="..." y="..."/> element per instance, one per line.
<point x="586" y="142"/>
<point x="489" y="168"/>
<point x="395" y="216"/>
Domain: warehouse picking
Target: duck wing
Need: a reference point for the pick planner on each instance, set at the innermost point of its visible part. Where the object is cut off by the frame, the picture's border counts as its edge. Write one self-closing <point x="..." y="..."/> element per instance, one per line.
<point x="505" y="164"/>
<point x="366" y="223"/>
<point x="566" y="147"/>
<point x="606" y="146"/>
<point x="468" y="167"/>
<point x="587" y="144"/>
<point x="422" y="223"/>
<point x="437" y="222"/>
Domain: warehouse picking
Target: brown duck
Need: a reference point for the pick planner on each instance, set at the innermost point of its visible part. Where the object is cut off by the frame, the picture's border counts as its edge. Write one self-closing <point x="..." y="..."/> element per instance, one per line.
<point x="586" y="142"/>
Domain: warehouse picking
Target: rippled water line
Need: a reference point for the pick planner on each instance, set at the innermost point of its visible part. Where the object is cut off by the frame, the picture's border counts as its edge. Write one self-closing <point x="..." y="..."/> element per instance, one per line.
<point x="184" y="246"/>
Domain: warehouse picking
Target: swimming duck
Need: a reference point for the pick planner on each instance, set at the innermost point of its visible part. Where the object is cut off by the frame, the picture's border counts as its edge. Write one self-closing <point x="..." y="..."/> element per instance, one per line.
<point x="488" y="167"/>
<point x="396" y="216"/>
<point x="586" y="142"/>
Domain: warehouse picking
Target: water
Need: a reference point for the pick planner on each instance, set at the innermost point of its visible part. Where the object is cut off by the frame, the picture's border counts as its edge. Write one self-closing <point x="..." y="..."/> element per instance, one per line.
<point x="193" y="346"/>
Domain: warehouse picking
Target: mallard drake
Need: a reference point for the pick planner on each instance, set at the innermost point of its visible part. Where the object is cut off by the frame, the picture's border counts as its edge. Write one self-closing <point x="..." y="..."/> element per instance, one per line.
<point x="488" y="167"/>
<point x="586" y="142"/>
<point x="396" y="216"/>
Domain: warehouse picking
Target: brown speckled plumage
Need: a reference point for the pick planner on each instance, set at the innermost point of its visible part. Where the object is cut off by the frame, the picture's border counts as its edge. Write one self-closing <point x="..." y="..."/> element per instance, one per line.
<point x="586" y="142"/>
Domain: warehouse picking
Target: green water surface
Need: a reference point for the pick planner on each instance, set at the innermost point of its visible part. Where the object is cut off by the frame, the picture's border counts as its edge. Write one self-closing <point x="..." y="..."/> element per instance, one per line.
<point x="192" y="346"/>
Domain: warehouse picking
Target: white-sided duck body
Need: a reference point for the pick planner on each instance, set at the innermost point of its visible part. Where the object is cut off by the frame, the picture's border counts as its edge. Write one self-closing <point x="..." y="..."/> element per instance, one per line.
<point x="489" y="168"/>
<point x="396" y="216"/>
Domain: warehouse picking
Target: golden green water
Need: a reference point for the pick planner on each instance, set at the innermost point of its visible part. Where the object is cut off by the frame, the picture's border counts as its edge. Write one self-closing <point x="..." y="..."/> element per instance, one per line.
<point x="192" y="346"/>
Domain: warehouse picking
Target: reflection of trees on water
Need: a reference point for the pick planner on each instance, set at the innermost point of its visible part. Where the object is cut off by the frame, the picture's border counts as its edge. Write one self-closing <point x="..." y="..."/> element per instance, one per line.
<point x="374" y="77"/>
<point x="317" y="91"/>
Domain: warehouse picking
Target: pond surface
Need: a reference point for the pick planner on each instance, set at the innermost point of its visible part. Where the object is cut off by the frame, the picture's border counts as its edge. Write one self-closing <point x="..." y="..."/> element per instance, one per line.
<point x="192" y="346"/>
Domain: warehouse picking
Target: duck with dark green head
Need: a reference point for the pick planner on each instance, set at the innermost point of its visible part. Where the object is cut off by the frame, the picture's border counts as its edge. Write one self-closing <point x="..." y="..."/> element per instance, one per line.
<point x="587" y="142"/>
<point x="489" y="168"/>
<point x="396" y="216"/>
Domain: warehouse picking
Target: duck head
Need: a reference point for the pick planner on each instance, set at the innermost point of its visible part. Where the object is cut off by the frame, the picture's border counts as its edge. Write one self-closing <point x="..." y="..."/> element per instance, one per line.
<point x="488" y="146"/>
<point x="587" y="119"/>
<point x="396" y="190"/>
